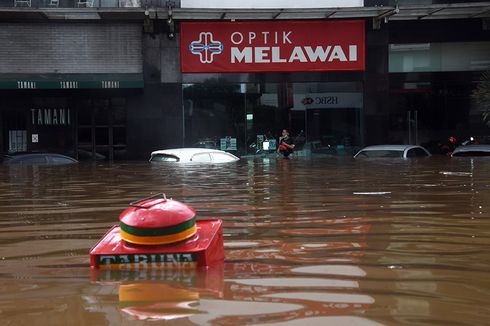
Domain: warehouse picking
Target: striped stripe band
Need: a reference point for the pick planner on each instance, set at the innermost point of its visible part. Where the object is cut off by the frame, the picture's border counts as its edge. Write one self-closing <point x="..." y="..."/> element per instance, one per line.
<point x="156" y="232"/>
<point x="158" y="240"/>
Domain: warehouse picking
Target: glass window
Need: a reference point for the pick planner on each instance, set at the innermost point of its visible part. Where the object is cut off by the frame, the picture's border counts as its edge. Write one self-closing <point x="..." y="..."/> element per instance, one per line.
<point x="164" y="158"/>
<point x="416" y="152"/>
<point x="419" y="57"/>
<point x="201" y="157"/>
<point x="255" y="114"/>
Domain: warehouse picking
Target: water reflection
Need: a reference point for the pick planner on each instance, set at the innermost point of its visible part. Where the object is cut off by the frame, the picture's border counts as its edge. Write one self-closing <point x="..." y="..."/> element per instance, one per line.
<point x="323" y="241"/>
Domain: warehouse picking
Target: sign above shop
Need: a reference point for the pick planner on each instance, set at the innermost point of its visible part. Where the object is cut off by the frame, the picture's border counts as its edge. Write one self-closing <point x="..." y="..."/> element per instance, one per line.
<point x="71" y="81"/>
<point x="50" y="117"/>
<point x="327" y="101"/>
<point x="272" y="46"/>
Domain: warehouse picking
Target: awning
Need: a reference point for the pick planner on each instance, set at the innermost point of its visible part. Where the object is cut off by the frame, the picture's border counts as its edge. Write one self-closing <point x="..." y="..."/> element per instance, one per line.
<point x="401" y="12"/>
<point x="71" y="81"/>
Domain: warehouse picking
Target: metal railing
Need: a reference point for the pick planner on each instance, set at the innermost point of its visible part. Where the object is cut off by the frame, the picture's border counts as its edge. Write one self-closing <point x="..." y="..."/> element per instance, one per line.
<point x="35" y="4"/>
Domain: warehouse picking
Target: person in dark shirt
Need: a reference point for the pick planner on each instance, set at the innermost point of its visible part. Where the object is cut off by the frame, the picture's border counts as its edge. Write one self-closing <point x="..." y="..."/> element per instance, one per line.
<point x="286" y="145"/>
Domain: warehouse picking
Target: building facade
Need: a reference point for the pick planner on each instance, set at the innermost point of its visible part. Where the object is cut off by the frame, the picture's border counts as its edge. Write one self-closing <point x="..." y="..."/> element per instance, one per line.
<point x="117" y="80"/>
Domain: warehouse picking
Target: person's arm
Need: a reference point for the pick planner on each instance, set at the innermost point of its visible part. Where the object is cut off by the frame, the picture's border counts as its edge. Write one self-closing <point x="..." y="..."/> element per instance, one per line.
<point x="290" y="146"/>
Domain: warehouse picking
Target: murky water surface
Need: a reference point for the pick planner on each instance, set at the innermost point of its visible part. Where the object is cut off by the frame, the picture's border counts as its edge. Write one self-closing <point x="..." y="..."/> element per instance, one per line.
<point x="308" y="242"/>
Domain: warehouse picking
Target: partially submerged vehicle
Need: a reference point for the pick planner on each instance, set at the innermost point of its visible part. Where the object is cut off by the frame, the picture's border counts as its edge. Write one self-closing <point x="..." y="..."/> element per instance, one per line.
<point x="392" y="151"/>
<point x="192" y="155"/>
<point x="471" y="150"/>
<point x="37" y="159"/>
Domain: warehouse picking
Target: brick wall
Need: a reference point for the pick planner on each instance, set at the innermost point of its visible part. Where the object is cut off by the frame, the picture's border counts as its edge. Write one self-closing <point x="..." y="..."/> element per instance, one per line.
<point x="70" y="48"/>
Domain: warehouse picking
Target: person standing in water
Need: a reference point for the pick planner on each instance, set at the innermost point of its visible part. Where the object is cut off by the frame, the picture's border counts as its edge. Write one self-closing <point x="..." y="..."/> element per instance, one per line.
<point x="286" y="145"/>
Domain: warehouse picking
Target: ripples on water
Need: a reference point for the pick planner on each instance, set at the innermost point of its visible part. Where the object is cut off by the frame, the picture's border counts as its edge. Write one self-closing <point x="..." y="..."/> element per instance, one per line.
<point x="318" y="242"/>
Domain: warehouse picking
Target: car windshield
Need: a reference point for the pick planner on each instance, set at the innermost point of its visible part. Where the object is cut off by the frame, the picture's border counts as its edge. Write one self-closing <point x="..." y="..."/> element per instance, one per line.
<point x="164" y="158"/>
<point x="380" y="153"/>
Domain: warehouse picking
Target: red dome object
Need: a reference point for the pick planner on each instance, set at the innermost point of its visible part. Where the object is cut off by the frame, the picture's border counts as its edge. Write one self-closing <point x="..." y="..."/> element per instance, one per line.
<point x="159" y="233"/>
<point x="157" y="220"/>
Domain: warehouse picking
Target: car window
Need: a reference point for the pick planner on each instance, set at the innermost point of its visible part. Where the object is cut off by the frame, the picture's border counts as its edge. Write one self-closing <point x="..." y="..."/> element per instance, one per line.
<point x="201" y="157"/>
<point x="380" y="153"/>
<point x="416" y="152"/>
<point x="164" y="158"/>
<point x="222" y="157"/>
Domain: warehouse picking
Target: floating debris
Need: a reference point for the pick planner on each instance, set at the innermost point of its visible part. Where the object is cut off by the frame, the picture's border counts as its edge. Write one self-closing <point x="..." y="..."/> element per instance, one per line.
<point x="372" y="193"/>
<point x="462" y="174"/>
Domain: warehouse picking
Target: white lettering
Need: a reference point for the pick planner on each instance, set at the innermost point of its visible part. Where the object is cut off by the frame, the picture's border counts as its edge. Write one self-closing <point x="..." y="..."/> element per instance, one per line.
<point x="124" y="259"/>
<point x="265" y="54"/>
<point x="297" y="55"/>
<point x="285" y="37"/>
<point x="55" y="117"/>
<point x="352" y="52"/>
<point x="32" y="116"/>
<point x="140" y="259"/>
<point x="62" y="117"/>
<point x="39" y="117"/>
<point x="319" y="53"/>
<point x="251" y="36"/>
<point x="107" y="260"/>
<point x="265" y="36"/>
<point x="276" y="55"/>
<point x="337" y="54"/>
<point x="233" y="38"/>
<point x="47" y="116"/>
<point x="261" y="56"/>
<point x="245" y="55"/>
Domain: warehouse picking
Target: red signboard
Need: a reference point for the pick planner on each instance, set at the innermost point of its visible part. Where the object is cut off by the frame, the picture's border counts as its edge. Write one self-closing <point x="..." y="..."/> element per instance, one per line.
<point x="272" y="46"/>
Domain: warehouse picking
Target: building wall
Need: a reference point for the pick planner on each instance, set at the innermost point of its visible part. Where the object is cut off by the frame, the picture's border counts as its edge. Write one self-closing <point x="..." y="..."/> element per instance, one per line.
<point x="32" y="48"/>
<point x="155" y="117"/>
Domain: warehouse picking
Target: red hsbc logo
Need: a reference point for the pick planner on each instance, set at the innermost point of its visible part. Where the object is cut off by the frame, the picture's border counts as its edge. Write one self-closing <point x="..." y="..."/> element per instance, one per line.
<point x="272" y="46"/>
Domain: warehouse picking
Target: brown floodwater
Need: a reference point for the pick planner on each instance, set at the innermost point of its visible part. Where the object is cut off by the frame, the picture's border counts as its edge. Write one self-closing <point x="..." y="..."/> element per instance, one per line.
<point x="322" y="241"/>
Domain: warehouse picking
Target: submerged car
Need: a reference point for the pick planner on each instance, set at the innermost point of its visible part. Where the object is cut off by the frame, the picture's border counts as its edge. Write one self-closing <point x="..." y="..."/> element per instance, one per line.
<point x="38" y="159"/>
<point x="471" y="150"/>
<point x="192" y="155"/>
<point x="392" y="151"/>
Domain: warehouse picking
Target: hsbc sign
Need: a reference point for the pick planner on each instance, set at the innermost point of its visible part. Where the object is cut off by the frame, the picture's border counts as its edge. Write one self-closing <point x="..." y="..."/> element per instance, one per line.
<point x="272" y="46"/>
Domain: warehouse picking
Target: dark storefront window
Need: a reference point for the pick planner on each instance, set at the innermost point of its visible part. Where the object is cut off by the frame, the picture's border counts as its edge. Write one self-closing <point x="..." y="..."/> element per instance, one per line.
<point x="430" y="92"/>
<point x="102" y="128"/>
<point x="321" y="115"/>
<point x="238" y="116"/>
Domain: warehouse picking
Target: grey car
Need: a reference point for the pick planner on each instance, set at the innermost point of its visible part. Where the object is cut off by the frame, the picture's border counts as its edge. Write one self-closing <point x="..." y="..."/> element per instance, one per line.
<point x="471" y="150"/>
<point x="392" y="151"/>
<point x="37" y="159"/>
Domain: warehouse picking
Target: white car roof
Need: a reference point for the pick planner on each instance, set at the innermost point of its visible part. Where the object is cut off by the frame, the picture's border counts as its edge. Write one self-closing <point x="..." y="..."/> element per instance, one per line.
<point x="185" y="154"/>
<point x="400" y="148"/>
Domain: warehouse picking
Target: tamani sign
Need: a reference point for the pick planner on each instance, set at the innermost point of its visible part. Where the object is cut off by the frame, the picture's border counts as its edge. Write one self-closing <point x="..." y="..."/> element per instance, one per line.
<point x="272" y="46"/>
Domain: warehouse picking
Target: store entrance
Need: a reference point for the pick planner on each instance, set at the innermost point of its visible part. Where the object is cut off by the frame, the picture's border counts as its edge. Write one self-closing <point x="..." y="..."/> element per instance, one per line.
<point x="101" y="129"/>
<point x="333" y="129"/>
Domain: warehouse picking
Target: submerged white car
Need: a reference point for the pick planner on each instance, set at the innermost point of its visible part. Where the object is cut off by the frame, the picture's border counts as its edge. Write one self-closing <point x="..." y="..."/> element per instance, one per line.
<point x="393" y="151"/>
<point x="192" y="155"/>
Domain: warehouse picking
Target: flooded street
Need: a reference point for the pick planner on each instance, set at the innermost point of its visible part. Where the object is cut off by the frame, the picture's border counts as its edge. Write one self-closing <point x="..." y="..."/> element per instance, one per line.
<point x="325" y="241"/>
